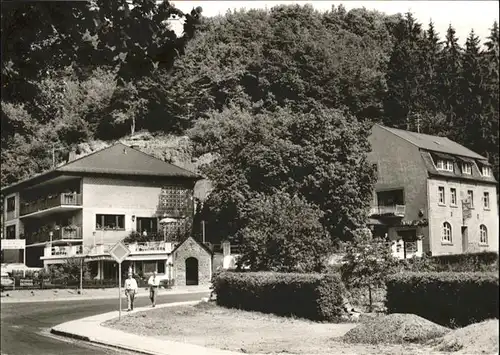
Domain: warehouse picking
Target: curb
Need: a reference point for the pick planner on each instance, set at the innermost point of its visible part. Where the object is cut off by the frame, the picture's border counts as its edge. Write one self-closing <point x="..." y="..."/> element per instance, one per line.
<point x="112" y="315"/>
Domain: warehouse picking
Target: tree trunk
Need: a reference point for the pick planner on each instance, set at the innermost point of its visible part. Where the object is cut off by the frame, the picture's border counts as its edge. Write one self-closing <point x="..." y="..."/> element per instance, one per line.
<point x="370" y="307"/>
<point x="132" y="126"/>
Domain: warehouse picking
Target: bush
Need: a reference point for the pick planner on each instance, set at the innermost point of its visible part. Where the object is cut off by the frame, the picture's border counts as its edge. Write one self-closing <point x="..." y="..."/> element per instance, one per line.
<point x="367" y="262"/>
<point x="314" y="296"/>
<point x="447" y="298"/>
<point x="483" y="261"/>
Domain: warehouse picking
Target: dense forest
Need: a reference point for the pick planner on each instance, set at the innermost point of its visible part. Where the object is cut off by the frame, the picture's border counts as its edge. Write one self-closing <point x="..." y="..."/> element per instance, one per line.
<point x="285" y="97"/>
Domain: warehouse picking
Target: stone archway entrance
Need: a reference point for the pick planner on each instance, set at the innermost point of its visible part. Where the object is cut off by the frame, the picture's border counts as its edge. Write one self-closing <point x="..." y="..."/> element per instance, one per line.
<point x="191" y="271"/>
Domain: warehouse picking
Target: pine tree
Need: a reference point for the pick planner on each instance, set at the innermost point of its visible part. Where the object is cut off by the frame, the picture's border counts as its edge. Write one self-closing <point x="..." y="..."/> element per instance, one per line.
<point x="427" y="109"/>
<point x="491" y="99"/>
<point x="449" y="73"/>
<point x="403" y="81"/>
<point x="470" y="121"/>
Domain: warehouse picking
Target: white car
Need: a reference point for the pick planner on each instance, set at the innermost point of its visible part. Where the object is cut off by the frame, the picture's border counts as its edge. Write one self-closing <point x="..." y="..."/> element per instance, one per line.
<point x="7" y="281"/>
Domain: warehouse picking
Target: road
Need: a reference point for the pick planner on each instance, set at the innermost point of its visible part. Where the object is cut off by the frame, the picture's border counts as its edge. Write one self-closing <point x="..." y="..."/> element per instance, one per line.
<point x="25" y="327"/>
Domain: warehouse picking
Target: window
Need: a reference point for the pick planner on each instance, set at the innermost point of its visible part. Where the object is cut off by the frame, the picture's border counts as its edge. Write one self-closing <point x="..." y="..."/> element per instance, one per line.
<point x="161" y="267"/>
<point x="10" y="232"/>
<point x="109" y="221"/>
<point x="446" y="237"/>
<point x="453" y="196"/>
<point x="466" y="168"/>
<point x="150" y="225"/>
<point x="446" y="165"/>
<point x="486" y="170"/>
<point x="486" y="200"/>
<point x="483" y="234"/>
<point x="470" y="198"/>
<point x="11" y="204"/>
<point x="441" y="197"/>
<point x="149" y="266"/>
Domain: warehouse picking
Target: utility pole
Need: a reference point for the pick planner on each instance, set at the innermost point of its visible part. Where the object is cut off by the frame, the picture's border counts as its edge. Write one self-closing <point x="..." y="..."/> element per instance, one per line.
<point x="418" y="123"/>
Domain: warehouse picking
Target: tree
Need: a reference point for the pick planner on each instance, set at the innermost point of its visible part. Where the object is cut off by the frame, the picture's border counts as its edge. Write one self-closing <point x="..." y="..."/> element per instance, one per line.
<point x="289" y="56"/>
<point x="320" y="156"/>
<point x="471" y="120"/>
<point x="450" y="72"/>
<point x="283" y="233"/>
<point x="367" y="262"/>
<point x="492" y="101"/>
<point x="403" y="74"/>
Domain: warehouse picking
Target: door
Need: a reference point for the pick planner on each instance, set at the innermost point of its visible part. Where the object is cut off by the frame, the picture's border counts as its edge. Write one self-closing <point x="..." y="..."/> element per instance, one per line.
<point x="409" y="238"/>
<point x="191" y="271"/>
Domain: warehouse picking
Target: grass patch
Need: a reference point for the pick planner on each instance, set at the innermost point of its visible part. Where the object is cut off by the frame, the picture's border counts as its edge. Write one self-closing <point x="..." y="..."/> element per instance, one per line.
<point x="209" y="325"/>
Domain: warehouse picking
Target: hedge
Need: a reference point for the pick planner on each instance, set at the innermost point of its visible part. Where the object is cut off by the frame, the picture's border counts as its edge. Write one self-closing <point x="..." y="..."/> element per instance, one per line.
<point x="314" y="296"/>
<point x="482" y="261"/>
<point x="446" y="298"/>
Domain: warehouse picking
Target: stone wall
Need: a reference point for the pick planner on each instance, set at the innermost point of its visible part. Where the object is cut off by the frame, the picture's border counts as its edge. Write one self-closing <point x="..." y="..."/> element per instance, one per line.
<point x="190" y="248"/>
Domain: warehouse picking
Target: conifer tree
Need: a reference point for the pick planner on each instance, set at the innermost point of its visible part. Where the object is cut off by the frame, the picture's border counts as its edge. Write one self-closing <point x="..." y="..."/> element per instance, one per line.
<point x="403" y="83"/>
<point x="449" y="76"/>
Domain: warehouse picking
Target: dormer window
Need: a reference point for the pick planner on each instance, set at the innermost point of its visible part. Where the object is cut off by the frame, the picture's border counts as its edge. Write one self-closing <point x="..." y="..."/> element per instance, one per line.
<point x="486" y="171"/>
<point x="446" y="165"/>
<point x="466" y="168"/>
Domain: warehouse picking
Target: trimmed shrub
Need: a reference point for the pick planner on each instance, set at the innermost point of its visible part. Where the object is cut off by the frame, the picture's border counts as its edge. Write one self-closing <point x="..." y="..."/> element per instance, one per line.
<point x="447" y="298"/>
<point x="313" y="296"/>
<point x="482" y="261"/>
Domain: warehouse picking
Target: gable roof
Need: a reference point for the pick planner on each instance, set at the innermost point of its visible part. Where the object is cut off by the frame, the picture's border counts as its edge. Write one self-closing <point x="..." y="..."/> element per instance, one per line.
<point x="117" y="159"/>
<point x="122" y="159"/>
<point x="433" y="143"/>
<point x="203" y="246"/>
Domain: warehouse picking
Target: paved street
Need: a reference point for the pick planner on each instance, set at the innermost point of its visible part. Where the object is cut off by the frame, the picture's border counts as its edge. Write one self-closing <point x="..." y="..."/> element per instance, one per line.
<point x="25" y="326"/>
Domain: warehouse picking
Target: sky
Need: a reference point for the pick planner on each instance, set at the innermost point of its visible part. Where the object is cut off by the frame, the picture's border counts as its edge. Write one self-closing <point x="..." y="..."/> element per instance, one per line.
<point x="463" y="15"/>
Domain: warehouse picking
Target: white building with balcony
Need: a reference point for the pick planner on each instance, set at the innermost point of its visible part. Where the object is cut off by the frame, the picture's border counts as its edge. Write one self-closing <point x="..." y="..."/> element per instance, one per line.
<point x="81" y="209"/>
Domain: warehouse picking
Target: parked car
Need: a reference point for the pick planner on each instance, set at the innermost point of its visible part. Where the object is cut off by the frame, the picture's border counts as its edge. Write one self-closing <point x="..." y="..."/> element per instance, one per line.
<point x="7" y="281"/>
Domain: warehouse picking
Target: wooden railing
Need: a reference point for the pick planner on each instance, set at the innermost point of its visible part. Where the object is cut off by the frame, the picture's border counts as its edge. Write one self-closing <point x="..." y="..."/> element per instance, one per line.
<point x="64" y="199"/>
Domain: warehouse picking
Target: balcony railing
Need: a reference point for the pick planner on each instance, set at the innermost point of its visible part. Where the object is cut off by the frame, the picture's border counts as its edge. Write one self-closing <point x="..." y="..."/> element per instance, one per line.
<point x="67" y="232"/>
<point x="63" y="251"/>
<point x="396" y="210"/>
<point x="64" y="199"/>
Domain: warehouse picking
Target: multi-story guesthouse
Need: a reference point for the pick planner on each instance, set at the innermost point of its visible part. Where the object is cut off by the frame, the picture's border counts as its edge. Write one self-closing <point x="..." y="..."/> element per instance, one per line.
<point x="432" y="195"/>
<point x="82" y="208"/>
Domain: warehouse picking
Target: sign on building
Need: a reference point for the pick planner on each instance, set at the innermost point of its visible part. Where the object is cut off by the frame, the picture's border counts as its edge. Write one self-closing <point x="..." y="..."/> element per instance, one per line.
<point x="13" y="244"/>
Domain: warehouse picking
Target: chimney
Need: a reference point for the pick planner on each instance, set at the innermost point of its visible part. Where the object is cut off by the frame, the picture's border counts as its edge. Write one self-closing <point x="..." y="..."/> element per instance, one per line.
<point x="72" y="155"/>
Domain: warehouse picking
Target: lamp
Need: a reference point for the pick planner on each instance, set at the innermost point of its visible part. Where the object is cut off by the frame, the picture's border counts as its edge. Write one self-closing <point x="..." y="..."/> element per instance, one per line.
<point x="133" y="218"/>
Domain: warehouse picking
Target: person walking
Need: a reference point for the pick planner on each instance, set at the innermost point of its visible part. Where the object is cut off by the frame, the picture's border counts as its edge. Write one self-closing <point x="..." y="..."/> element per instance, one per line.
<point x="154" y="284"/>
<point x="130" y="291"/>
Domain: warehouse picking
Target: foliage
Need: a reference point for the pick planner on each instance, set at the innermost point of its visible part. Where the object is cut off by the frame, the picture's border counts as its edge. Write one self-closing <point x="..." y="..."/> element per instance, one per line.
<point x="319" y="156"/>
<point x="367" y="262"/>
<point x="69" y="272"/>
<point x="313" y="296"/>
<point x="446" y="298"/>
<point x="283" y="233"/>
<point x="482" y="261"/>
<point x="288" y="56"/>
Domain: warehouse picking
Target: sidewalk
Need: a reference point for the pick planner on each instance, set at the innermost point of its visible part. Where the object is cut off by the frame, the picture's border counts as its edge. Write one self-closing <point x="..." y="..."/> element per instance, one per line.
<point x="19" y="296"/>
<point x="90" y="329"/>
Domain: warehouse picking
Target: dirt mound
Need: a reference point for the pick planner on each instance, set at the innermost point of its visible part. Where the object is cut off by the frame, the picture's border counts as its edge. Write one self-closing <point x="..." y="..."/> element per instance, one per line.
<point x="395" y="328"/>
<point x="478" y="338"/>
